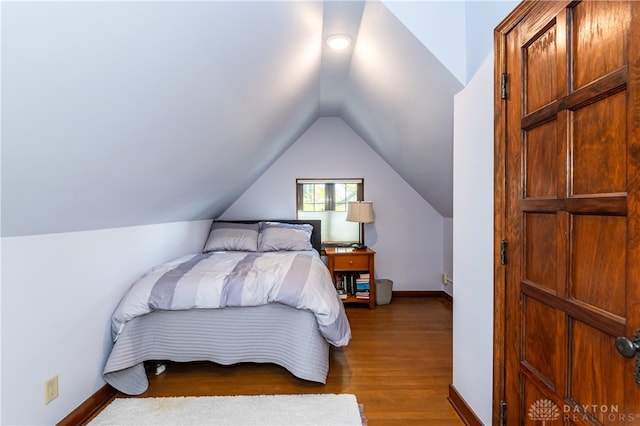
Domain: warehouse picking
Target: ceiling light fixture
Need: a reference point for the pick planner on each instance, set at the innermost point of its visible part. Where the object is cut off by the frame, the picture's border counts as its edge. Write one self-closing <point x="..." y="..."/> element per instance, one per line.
<point x="338" y="41"/>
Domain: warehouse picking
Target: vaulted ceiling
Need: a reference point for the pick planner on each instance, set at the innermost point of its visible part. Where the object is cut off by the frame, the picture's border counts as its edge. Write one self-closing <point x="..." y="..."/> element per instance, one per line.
<point x="128" y="113"/>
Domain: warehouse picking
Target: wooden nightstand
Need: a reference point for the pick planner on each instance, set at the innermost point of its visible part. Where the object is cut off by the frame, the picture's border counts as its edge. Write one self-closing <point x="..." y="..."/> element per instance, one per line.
<point x="350" y="269"/>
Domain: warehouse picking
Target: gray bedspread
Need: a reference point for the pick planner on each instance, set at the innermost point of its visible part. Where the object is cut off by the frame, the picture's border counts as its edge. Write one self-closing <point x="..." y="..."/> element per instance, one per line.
<point x="229" y="307"/>
<point x="262" y="334"/>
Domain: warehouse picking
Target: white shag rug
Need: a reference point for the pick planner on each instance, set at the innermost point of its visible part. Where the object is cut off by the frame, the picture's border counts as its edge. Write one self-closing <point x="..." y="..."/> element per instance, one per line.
<point x="262" y="410"/>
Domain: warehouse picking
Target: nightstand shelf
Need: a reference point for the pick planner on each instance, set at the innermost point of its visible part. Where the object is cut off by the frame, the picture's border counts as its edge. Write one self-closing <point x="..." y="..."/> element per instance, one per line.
<point x="347" y="264"/>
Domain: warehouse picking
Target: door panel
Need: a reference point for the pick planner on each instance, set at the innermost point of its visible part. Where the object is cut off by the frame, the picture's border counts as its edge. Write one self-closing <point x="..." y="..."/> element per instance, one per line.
<point x="571" y="212"/>
<point x="599" y="254"/>
<point x="543" y="329"/>
<point x="598" y="24"/>
<point x="597" y="371"/>
<point x="542" y="409"/>
<point x="599" y="147"/>
<point x="541" y="71"/>
<point x="538" y="227"/>
<point x="541" y="161"/>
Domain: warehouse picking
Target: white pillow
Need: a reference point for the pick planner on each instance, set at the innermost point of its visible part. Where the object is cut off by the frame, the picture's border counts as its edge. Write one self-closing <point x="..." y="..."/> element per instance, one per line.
<point x="231" y="236"/>
<point x="277" y="236"/>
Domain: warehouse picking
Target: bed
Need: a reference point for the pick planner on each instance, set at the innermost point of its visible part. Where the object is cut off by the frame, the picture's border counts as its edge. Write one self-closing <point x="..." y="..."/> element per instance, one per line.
<point x="258" y="292"/>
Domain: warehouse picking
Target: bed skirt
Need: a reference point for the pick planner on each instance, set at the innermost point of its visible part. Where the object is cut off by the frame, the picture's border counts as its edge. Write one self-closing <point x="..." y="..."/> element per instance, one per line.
<point x="272" y="333"/>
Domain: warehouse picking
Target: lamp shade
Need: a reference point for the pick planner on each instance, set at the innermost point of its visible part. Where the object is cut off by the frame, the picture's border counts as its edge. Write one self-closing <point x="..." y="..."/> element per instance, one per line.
<point x="360" y="211"/>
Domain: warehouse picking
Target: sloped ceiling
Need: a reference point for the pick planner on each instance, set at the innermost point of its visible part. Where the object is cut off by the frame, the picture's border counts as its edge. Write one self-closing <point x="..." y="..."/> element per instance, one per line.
<point x="400" y="101"/>
<point x="128" y="113"/>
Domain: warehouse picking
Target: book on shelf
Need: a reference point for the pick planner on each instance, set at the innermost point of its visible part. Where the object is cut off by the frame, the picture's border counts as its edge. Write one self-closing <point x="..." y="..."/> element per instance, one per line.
<point x="351" y="282"/>
<point x="362" y="286"/>
<point x="339" y="282"/>
<point x="362" y="282"/>
<point x="362" y="295"/>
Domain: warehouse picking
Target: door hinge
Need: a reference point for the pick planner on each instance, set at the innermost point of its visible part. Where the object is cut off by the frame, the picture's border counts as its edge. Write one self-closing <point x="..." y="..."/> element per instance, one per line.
<point x="503" y="413"/>
<point x="503" y="86"/>
<point x="503" y="252"/>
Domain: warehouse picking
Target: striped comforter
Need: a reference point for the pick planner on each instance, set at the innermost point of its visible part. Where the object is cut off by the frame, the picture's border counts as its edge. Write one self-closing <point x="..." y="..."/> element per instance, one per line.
<point x="222" y="279"/>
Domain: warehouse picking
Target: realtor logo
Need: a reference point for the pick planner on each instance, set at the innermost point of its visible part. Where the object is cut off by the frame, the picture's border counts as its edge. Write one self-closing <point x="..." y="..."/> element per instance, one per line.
<point x="544" y="410"/>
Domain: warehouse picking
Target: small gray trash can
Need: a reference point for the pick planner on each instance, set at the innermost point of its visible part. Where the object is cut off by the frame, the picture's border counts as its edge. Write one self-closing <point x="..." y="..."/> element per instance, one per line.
<point x="384" y="290"/>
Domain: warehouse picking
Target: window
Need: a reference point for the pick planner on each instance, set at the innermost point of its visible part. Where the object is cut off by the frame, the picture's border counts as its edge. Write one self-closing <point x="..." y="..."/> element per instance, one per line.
<point x="327" y="199"/>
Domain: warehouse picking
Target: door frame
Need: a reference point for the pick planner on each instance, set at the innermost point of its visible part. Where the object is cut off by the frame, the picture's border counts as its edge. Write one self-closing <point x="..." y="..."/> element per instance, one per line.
<point x="500" y="206"/>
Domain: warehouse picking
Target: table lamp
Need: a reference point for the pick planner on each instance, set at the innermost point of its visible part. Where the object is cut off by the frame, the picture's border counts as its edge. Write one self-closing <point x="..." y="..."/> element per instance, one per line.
<point x="361" y="212"/>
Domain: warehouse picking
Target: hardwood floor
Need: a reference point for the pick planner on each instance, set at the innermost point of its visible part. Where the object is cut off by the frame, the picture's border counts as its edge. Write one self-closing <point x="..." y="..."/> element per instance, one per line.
<point x="398" y="364"/>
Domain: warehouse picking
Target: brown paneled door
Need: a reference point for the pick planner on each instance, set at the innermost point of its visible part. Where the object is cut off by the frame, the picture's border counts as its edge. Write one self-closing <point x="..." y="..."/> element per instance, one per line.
<point x="568" y="207"/>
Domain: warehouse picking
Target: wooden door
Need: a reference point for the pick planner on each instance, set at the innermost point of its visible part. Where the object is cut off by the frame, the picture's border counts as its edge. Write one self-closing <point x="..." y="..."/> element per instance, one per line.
<point x="568" y="207"/>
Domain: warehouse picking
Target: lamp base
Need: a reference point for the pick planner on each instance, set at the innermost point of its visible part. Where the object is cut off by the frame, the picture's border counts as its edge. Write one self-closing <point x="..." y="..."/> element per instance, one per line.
<point x="358" y="246"/>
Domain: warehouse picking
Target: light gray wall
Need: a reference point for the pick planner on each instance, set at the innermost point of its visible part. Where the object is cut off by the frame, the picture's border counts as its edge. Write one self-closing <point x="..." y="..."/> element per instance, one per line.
<point x="482" y="17"/>
<point x="407" y="234"/>
<point x="58" y="294"/>
<point x="440" y="26"/>
<point x="473" y="243"/>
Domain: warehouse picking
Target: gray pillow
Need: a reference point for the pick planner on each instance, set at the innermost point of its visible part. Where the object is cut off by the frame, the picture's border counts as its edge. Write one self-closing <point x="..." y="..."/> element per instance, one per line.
<point x="229" y="236"/>
<point x="277" y="236"/>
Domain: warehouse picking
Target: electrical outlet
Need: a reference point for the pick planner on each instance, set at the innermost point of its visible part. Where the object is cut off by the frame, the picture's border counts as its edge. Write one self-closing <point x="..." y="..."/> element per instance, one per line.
<point x="445" y="279"/>
<point x="50" y="389"/>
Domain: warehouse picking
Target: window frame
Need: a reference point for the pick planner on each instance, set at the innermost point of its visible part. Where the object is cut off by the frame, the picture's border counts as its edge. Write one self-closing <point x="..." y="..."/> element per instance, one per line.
<point x="329" y="202"/>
